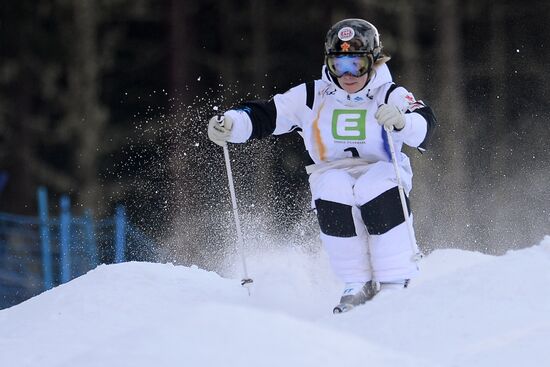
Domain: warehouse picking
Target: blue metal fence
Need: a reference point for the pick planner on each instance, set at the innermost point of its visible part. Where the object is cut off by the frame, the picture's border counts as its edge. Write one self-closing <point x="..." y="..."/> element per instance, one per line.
<point x="38" y="253"/>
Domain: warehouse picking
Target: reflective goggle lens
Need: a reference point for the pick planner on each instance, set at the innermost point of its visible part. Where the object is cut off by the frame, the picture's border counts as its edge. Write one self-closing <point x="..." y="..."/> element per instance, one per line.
<point x="356" y="65"/>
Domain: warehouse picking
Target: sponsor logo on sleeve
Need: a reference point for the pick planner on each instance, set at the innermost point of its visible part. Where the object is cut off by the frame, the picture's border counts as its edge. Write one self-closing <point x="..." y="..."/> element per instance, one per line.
<point x="410" y="98"/>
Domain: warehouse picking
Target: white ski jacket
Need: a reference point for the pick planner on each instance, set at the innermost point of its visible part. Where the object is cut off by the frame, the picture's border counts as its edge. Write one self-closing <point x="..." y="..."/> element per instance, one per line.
<point x="336" y="125"/>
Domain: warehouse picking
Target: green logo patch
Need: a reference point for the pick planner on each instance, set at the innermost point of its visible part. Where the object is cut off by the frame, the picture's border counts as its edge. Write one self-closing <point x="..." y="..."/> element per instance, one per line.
<point x="349" y="124"/>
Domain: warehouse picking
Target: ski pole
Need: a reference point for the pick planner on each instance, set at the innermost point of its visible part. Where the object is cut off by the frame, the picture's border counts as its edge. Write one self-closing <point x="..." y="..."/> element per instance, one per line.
<point x="246" y="281"/>
<point x="416" y="254"/>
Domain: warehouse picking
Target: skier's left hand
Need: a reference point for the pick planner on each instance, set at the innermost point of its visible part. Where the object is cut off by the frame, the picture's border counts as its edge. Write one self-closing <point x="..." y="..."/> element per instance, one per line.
<point x="390" y="117"/>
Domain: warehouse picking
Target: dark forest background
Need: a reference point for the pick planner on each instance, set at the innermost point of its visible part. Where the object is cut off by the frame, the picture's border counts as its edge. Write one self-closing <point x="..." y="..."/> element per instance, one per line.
<point x="108" y="101"/>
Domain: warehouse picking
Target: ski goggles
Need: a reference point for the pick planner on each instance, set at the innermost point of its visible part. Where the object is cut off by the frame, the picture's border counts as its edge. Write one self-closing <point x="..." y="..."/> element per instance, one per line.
<point x="356" y="65"/>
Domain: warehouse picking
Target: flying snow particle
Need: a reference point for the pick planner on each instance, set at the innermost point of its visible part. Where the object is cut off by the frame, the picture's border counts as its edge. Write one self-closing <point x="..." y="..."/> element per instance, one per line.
<point x="199" y="79"/>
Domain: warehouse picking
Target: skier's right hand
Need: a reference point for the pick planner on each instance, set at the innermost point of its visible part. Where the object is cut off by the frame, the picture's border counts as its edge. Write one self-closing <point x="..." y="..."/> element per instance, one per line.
<point x="219" y="129"/>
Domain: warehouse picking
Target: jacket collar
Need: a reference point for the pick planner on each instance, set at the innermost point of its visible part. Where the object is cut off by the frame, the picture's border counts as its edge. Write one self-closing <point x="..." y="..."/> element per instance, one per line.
<point x="380" y="76"/>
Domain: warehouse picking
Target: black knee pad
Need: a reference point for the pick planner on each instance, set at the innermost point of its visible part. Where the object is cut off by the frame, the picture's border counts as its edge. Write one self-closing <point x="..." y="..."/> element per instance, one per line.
<point x="384" y="212"/>
<point x="335" y="219"/>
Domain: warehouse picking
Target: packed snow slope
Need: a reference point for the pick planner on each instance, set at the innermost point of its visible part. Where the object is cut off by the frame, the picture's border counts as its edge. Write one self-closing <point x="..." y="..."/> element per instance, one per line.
<point x="466" y="309"/>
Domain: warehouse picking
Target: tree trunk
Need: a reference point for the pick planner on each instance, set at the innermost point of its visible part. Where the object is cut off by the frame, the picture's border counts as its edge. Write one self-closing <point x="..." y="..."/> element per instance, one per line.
<point x="87" y="113"/>
<point x="260" y="50"/>
<point x="408" y="47"/>
<point x="454" y="129"/>
<point x="18" y="196"/>
<point x="183" y="239"/>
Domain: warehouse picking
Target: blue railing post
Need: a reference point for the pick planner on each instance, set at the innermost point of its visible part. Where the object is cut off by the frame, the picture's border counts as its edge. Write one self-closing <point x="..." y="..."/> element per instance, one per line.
<point x="120" y="234"/>
<point x="89" y="235"/>
<point x="65" y="238"/>
<point x="45" y="238"/>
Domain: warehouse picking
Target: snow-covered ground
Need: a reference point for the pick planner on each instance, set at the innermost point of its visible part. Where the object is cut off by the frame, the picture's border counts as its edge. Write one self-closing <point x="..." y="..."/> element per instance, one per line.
<point x="466" y="309"/>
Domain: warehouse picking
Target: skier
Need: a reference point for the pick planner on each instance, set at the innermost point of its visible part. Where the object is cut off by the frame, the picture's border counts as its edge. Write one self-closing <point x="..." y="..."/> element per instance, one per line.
<point x="342" y="119"/>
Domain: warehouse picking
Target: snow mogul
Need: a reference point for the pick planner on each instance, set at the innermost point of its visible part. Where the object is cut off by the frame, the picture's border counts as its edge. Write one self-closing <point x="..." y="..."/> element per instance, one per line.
<point x="345" y="120"/>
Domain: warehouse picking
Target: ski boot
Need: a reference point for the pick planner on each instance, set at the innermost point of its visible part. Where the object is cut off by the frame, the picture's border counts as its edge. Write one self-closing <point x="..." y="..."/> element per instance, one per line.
<point x="355" y="294"/>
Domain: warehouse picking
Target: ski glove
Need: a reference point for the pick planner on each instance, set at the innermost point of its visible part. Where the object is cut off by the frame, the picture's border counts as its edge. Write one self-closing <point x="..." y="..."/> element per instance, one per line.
<point x="390" y="117"/>
<point x="219" y="129"/>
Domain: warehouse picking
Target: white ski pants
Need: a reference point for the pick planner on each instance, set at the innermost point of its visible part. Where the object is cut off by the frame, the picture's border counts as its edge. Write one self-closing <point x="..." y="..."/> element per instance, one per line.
<point x="391" y="255"/>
